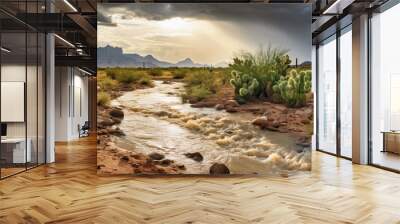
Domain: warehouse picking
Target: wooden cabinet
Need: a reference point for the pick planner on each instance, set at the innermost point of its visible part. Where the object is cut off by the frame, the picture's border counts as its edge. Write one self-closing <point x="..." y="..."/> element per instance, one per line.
<point x="391" y="142"/>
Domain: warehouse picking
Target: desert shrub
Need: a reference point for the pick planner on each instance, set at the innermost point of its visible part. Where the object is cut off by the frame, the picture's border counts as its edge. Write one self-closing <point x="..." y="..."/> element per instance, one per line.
<point x="103" y="99"/>
<point x="127" y="77"/>
<point x="293" y="89"/>
<point x="204" y="78"/>
<point x="196" y="93"/>
<point x="111" y="72"/>
<point x="155" y="72"/>
<point x="145" y="80"/>
<point x="105" y="83"/>
<point x="179" y="73"/>
<point x="201" y="83"/>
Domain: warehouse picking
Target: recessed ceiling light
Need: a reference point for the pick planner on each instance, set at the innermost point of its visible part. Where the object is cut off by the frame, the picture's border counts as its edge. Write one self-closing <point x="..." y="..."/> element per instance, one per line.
<point x="86" y="72"/>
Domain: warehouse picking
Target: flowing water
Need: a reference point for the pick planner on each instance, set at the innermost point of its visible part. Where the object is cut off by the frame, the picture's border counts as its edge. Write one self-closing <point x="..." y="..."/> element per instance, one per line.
<point x="156" y="120"/>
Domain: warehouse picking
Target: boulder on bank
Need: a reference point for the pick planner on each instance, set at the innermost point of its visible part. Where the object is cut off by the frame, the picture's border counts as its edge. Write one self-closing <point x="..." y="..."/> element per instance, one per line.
<point x="219" y="168"/>
<point x="118" y="113"/>
<point x="196" y="156"/>
<point x="231" y="103"/>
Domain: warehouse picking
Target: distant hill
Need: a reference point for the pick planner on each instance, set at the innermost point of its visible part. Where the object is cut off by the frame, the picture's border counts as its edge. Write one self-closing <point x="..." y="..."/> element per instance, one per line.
<point x="306" y="64"/>
<point x="114" y="57"/>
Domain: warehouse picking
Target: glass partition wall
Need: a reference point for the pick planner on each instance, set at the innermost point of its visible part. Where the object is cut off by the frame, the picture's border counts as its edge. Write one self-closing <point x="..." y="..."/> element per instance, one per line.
<point x="22" y="77"/>
<point x="334" y="94"/>
<point x="345" y="91"/>
<point x="385" y="89"/>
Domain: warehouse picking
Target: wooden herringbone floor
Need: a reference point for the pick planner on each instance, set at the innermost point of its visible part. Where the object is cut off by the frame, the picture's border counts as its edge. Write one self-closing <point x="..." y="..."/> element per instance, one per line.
<point x="70" y="192"/>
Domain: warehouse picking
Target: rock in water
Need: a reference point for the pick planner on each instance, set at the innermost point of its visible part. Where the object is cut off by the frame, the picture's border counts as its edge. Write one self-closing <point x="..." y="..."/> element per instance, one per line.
<point x="116" y="132"/>
<point x="117" y="113"/>
<point x="156" y="156"/>
<point x="219" y="107"/>
<point x="262" y="122"/>
<point x="219" y="168"/>
<point x="124" y="158"/>
<point x="231" y="110"/>
<point x="106" y="122"/>
<point x="166" y="162"/>
<point x="196" y="156"/>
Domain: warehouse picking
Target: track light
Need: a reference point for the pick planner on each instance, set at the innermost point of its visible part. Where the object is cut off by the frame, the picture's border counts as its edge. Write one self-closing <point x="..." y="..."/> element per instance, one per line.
<point x="5" y="50"/>
<point x="337" y="7"/>
<point x="70" y="5"/>
<point x="86" y="72"/>
<point x="64" y="40"/>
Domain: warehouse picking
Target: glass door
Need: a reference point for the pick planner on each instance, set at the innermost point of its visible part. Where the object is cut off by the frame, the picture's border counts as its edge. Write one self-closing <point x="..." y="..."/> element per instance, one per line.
<point x="326" y="97"/>
<point x="385" y="89"/>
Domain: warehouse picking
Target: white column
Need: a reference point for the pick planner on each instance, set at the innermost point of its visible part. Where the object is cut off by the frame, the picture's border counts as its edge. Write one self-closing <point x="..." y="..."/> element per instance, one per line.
<point x="50" y="92"/>
<point x="50" y="100"/>
<point x="360" y="90"/>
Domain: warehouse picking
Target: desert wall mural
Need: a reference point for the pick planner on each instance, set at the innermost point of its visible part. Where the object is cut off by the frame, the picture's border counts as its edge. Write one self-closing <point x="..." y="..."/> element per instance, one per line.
<point x="204" y="89"/>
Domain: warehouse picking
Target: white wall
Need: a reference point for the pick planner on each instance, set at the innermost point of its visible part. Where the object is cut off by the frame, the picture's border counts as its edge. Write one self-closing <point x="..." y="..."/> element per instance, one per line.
<point x="71" y="102"/>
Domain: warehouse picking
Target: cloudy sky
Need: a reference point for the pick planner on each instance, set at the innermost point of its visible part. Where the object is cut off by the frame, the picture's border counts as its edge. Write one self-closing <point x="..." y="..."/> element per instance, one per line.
<point x="206" y="33"/>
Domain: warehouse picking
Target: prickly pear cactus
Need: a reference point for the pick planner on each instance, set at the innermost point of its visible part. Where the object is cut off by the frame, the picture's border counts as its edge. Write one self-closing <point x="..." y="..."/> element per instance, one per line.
<point x="292" y="90"/>
<point x="245" y="86"/>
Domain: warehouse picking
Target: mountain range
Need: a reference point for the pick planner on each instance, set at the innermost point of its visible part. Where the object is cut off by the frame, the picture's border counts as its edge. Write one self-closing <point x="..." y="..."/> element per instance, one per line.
<point x="115" y="57"/>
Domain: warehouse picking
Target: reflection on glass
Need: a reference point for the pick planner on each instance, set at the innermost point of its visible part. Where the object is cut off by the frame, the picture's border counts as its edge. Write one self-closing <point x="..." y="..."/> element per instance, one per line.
<point x="385" y="84"/>
<point x="15" y="151"/>
<point x="327" y="96"/>
<point x="22" y="91"/>
<point x="346" y="94"/>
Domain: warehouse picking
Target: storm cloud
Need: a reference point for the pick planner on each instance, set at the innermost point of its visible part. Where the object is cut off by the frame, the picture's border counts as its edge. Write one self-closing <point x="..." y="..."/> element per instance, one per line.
<point x="243" y="24"/>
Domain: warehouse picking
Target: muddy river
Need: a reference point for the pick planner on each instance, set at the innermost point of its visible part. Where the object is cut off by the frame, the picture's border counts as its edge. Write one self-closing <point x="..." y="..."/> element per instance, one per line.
<point x="156" y="120"/>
